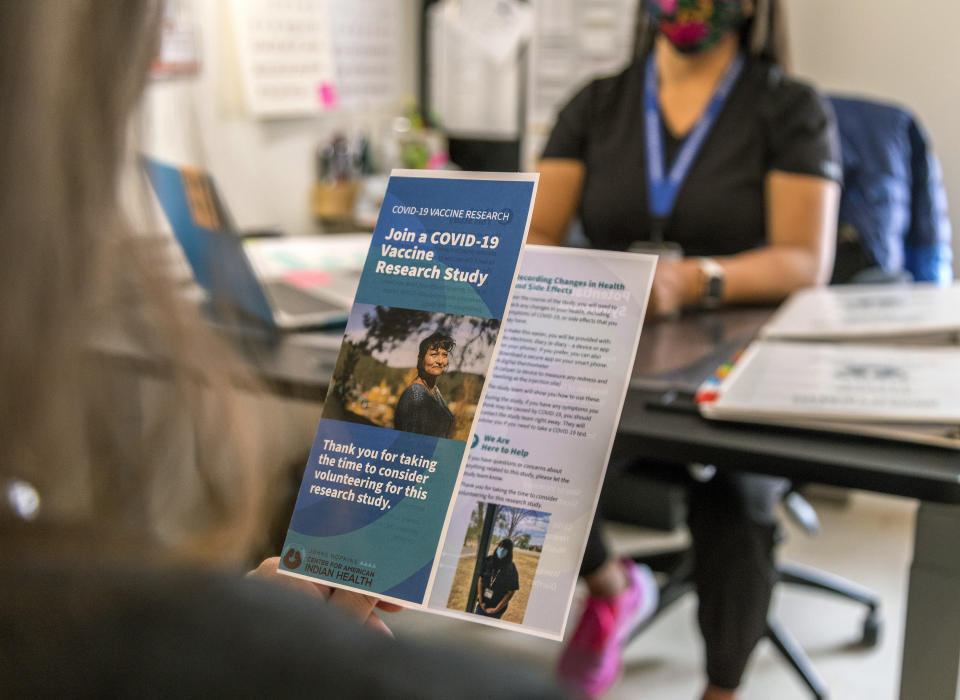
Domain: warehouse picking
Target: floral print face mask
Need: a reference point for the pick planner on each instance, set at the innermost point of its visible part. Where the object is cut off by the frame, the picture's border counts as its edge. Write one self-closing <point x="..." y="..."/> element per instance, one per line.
<point x="693" y="26"/>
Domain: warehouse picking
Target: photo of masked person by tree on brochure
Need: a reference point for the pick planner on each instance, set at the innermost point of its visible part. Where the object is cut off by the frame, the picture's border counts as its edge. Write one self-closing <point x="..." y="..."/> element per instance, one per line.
<point x="498" y="560"/>
<point x="416" y="371"/>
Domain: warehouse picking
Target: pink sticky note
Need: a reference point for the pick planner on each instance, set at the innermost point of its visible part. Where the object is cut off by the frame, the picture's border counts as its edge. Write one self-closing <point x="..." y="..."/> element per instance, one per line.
<point x="307" y="278"/>
<point x="327" y="94"/>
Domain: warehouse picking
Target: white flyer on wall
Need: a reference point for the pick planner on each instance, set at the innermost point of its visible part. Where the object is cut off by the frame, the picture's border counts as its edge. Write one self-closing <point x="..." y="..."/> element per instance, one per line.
<point x="285" y="57"/>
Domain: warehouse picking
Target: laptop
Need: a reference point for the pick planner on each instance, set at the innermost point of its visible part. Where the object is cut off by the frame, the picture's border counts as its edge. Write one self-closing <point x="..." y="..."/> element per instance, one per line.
<point x="216" y="253"/>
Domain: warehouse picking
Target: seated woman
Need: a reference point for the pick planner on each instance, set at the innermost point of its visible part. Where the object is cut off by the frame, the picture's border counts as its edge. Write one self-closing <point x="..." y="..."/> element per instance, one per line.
<point x="129" y="502"/>
<point x="421" y="408"/>
<point x="705" y="144"/>
<point x="498" y="581"/>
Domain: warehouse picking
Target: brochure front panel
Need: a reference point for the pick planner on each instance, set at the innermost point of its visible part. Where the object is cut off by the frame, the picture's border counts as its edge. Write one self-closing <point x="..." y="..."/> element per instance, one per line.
<point x="410" y="378"/>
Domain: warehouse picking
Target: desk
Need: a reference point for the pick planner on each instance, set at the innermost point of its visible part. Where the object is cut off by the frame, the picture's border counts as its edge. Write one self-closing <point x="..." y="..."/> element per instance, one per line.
<point x="680" y="353"/>
<point x="299" y="365"/>
<point x="931" y="652"/>
<point x="290" y="365"/>
<point x="930" y="666"/>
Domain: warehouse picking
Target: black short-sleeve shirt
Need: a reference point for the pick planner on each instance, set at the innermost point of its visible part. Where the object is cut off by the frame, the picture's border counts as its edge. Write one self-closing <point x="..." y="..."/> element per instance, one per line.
<point x="769" y="122"/>
<point x="499" y="580"/>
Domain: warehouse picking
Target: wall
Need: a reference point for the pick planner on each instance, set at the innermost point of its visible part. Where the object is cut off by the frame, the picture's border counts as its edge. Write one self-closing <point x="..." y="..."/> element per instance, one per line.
<point x="892" y="49"/>
<point x="263" y="168"/>
<point x="887" y="49"/>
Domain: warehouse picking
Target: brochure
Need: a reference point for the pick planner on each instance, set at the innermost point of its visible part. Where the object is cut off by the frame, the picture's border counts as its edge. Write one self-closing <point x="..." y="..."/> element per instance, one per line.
<point x="538" y="458"/>
<point x="517" y="519"/>
<point x="419" y="344"/>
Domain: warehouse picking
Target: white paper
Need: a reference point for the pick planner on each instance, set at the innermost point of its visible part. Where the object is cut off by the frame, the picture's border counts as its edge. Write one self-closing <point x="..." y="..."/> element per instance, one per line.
<point x="573" y="42"/>
<point x="474" y="73"/>
<point x="327" y="267"/>
<point x="547" y="425"/>
<point x="285" y="56"/>
<point x="179" y="53"/>
<point x="368" y="51"/>
<point x="842" y="382"/>
<point x="276" y="257"/>
<point x="867" y="311"/>
<point x="494" y="28"/>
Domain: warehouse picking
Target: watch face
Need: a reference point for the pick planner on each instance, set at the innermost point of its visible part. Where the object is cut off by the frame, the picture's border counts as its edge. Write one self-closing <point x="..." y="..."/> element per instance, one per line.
<point x="715" y="288"/>
<point x="711" y="282"/>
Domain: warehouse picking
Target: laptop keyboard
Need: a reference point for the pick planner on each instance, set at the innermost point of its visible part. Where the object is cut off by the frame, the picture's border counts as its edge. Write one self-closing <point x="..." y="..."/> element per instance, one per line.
<point x="344" y="283"/>
<point x="295" y="302"/>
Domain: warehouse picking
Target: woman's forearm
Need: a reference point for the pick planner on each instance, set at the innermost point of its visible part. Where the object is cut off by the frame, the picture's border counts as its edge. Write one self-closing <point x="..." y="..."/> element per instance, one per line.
<point x="540" y="237"/>
<point x="504" y="602"/>
<point x="801" y="231"/>
<point x="558" y="195"/>
<point x="770" y="274"/>
<point x="763" y="275"/>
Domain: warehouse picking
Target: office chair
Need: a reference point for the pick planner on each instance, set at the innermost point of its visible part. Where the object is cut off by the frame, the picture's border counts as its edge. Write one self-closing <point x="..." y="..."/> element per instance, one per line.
<point x="674" y="567"/>
<point x="893" y="224"/>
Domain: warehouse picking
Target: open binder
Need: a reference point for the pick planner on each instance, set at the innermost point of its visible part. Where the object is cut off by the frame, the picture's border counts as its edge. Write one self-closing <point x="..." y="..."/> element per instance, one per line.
<point x="881" y="361"/>
<point x="887" y="392"/>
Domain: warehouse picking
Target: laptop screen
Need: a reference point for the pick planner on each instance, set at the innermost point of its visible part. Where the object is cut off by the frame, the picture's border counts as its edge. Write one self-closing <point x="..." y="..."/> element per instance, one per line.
<point x="203" y="228"/>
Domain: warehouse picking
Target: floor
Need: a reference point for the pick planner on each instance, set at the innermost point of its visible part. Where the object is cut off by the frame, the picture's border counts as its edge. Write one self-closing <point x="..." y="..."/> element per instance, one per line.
<point x="865" y="537"/>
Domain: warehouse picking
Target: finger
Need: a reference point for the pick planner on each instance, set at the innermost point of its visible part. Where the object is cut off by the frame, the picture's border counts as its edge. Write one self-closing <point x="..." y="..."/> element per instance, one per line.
<point x="389" y="607"/>
<point x="657" y="307"/>
<point x="316" y="590"/>
<point x="267" y="571"/>
<point x="375" y="623"/>
<point x="266" y="567"/>
<point x="356" y="605"/>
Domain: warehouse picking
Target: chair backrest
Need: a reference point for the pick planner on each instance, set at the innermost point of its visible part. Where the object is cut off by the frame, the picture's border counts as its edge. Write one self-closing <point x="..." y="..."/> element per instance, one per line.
<point x="893" y="211"/>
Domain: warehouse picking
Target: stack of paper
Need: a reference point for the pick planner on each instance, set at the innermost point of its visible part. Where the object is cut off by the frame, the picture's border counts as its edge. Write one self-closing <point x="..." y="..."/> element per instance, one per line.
<point x="898" y="393"/>
<point x="327" y="267"/>
<point x="874" y="360"/>
<point x="909" y="313"/>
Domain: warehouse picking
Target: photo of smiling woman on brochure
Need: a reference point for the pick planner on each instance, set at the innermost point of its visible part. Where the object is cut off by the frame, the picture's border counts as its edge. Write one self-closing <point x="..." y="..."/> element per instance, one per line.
<point x="411" y="370"/>
<point x="422" y="408"/>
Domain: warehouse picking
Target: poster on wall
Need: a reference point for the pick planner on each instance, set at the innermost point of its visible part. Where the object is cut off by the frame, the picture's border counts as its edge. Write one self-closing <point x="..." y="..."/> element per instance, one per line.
<point x="179" y="52"/>
<point x="284" y="56"/>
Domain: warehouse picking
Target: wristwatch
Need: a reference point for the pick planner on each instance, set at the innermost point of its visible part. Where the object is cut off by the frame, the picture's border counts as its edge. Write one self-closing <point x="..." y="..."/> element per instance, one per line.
<point x="711" y="283"/>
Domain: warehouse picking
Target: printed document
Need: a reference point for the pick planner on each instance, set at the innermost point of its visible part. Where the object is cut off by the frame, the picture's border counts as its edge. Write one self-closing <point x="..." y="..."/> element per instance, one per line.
<point x="441" y="477"/>
<point x="901" y="393"/>
<point x="414" y="364"/>
<point x="922" y="312"/>
<point x="544" y="436"/>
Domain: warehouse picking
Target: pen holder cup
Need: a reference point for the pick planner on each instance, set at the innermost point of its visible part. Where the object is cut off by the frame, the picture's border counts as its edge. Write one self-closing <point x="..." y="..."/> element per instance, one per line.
<point x="334" y="201"/>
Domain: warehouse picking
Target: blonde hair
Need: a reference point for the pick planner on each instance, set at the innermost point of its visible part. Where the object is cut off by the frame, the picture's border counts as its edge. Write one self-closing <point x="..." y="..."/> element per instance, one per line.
<point x="96" y="440"/>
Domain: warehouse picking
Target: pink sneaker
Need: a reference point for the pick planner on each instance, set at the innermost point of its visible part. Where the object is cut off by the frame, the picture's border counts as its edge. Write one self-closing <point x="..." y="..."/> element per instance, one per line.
<point x="592" y="660"/>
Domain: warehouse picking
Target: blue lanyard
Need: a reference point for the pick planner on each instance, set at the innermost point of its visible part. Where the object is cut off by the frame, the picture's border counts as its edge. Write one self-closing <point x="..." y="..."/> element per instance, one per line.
<point x="662" y="191"/>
